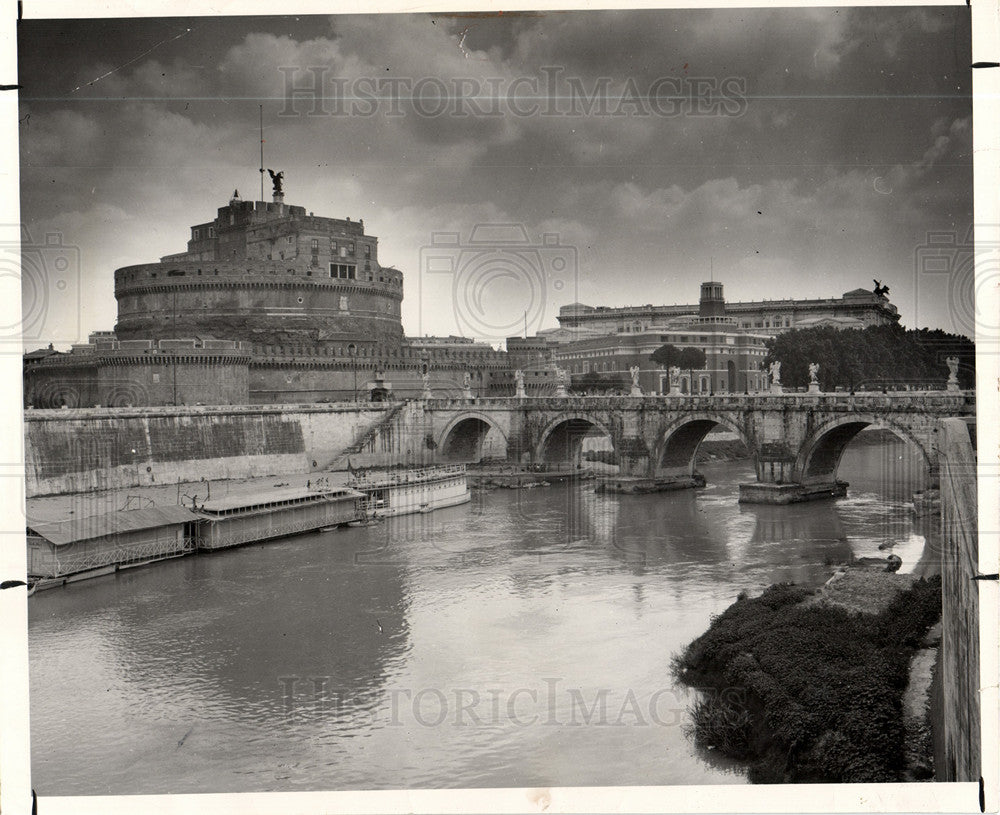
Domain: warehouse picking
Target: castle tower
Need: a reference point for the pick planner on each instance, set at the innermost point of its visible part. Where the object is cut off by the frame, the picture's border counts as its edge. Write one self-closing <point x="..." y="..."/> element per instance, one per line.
<point x="711" y="303"/>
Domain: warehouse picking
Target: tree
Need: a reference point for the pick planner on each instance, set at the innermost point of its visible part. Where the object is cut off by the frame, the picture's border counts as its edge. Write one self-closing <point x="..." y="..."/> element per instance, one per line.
<point x="884" y="354"/>
<point x="690" y="359"/>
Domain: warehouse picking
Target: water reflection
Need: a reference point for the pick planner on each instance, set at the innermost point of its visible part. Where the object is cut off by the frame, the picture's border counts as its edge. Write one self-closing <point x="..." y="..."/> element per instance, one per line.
<point x="459" y="648"/>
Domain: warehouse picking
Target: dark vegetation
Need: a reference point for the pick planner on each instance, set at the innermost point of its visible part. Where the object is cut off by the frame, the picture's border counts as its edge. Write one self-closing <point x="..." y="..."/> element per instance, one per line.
<point x="688" y="359"/>
<point x="808" y="693"/>
<point x="596" y="383"/>
<point x="885" y="354"/>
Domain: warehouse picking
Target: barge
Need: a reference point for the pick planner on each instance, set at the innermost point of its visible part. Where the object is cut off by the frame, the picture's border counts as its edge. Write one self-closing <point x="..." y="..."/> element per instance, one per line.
<point x="403" y="491"/>
<point x="250" y="517"/>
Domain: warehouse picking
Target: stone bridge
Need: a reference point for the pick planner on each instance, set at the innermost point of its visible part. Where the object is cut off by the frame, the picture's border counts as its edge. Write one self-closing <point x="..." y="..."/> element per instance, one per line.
<point x="796" y="440"/>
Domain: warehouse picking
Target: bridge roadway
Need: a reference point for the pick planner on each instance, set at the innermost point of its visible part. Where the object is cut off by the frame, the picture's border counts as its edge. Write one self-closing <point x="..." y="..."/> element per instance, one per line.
<point x="796" y="439"/>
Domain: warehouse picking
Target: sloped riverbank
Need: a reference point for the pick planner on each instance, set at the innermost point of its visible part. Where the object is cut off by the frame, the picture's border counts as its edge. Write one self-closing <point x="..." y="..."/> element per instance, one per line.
<point x="805" y="687"/>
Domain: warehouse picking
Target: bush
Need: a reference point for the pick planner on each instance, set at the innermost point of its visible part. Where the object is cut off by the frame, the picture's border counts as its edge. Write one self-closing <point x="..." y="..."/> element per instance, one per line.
<point x="808" y="693"/>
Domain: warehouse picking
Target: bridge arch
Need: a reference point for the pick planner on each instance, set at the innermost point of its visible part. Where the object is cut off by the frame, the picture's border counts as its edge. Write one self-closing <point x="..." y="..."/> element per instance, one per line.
<point x="464" y="438"/>
<point x="680" y="440"/>
<point x="819" y="456"/>
<point x="561" y="441"/>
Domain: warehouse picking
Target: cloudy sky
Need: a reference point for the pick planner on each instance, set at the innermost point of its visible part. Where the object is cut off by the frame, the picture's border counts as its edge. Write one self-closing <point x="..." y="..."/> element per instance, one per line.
<point x="787" y="153"/>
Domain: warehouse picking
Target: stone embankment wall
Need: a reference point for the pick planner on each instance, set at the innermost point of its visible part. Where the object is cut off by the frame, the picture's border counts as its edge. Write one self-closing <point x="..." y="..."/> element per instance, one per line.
<point x="960" y="680"/>
<point x="68" y="451"/>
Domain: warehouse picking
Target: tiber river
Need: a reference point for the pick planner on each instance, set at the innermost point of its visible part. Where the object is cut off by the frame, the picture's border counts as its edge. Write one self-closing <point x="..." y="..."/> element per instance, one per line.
<point x="520" y="640"/>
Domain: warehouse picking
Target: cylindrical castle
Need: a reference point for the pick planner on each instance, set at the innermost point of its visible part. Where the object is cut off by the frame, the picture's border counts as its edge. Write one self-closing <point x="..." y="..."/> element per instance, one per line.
<point x="265" y="273"/>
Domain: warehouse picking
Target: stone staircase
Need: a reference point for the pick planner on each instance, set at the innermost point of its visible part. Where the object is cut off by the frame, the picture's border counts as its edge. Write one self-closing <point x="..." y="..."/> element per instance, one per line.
<point x="365" y="439"/>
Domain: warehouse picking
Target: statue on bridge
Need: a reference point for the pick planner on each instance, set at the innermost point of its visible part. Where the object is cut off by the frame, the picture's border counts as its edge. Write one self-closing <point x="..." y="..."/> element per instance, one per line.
<point x="952" y="363"/>
<point x="674" y="374"/>
<point x="426" y="392"/>
<point x="467" y="385"/>
<point x="813" y="377"/>
<point x="636" y="390"/>
<point x="561" y="379"/>
<point x="519" y="384"/>
<point x="775" y="372"/>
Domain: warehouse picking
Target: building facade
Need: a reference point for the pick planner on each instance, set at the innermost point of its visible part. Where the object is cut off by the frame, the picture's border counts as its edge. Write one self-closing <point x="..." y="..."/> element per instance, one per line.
<point x="858" y="308"/>
<point x="734" y="354"/>
<point x="268" y="304"/>
<point x="272" y="304"/>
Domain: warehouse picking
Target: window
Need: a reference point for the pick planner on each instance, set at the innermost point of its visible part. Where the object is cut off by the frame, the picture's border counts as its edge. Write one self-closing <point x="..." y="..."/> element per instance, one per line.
<point x="314" y="245"/>
<point x="195" y="234"/>
<point x="343" y="271"/>
<point x="368" y="250"/>
<point x="211" y="232"/>
<point x="291" y="239"/>
<point x="350" y="248"/>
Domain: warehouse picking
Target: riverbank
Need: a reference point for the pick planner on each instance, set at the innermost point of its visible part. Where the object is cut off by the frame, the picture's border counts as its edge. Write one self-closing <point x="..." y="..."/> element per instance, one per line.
<point x="807" y="684"/>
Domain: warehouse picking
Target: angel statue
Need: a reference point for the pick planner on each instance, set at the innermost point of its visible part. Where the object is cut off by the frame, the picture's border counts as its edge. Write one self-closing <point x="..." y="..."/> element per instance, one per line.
<point x="276" y="180"/>
<point x="775" y="371"/>
<point x="813" y="372"/>
<point x="634" y="370"/>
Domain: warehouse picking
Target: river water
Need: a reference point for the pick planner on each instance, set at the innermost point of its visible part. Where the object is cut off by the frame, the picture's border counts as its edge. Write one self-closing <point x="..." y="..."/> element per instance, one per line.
<point x="521" y="640"/>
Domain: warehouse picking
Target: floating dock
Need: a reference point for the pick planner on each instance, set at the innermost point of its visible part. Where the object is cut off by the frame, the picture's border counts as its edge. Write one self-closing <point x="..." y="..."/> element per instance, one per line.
<point x="77" y="548"/>
<point x="276" y="513"/>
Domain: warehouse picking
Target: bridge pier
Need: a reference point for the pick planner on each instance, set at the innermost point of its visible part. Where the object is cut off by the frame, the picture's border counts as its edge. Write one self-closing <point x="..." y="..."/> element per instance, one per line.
<point x="777" y="483"/>
<point x="765" y="492"/>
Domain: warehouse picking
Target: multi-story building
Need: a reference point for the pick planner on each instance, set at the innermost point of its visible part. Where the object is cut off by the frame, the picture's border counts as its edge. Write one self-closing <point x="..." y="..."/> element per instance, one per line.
<point x="859" y="308"/>
<point x="734" y="354"/>
<point x="268" y="304"/>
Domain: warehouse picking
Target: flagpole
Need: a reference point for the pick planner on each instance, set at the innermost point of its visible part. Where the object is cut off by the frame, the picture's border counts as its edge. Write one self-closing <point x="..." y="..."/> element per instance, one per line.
<point x="261" y="152"/>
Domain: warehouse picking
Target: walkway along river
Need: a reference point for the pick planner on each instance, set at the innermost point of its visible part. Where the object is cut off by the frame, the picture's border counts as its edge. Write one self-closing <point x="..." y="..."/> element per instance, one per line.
<point x="523" y="639"/>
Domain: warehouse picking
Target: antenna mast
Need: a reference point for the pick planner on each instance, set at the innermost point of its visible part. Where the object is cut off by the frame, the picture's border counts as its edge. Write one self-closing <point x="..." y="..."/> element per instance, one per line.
<point x="261" y="152"/>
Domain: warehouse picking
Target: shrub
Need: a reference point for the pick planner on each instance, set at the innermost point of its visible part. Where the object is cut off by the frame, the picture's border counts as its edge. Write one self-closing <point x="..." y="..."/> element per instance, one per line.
<point x="808" y="693"/>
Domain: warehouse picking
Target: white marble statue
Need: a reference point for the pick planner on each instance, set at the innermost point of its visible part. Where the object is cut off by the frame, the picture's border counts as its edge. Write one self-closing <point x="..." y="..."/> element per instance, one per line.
<point x="466" y="380"/>
<point x="675" y="375"/>
<point x="636" y="390"/>
<point x="952" y="363"/>
<point x="562" y="377"/>
<point x="519" y="384"/>
<point x="775" y="370"/>
<point x="813" y="373"/>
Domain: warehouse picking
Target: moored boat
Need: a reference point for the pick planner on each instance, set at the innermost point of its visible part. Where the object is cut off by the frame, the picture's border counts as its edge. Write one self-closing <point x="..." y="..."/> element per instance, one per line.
<point x="414" y="489"/>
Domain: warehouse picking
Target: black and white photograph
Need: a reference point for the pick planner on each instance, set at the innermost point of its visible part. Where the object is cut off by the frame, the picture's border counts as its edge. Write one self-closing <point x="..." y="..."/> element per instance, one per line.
<point x="542" y="409"/>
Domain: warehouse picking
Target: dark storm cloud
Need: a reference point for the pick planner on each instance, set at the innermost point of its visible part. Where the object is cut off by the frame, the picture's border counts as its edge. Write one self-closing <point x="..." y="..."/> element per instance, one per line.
<point x="853" y="142"/>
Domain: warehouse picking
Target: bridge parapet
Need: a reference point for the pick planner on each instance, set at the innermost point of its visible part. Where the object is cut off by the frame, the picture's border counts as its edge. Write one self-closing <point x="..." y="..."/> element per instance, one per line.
<point x="962" y="401"/>
<point x="796" y="439"/>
